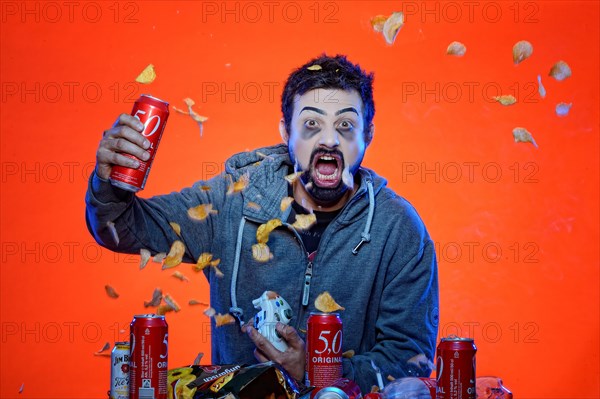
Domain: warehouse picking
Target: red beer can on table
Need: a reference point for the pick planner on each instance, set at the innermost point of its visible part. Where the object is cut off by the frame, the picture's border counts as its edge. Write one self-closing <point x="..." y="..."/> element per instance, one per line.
<point x="148" y="357"/>
<point x="456" y="368"/>
<point x="340" y="389"/>
<point x="153" y="113"/>
<point x="323" y="350"/>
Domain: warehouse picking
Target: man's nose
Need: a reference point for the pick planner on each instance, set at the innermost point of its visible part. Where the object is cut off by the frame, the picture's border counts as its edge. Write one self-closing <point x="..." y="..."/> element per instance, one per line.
<point x="329" y="138"/>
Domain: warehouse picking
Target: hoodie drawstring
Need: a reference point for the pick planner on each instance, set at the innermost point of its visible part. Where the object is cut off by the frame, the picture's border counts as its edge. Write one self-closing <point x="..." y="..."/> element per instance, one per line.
<point x="234" y="309"/>
<point x="365" y="235"/>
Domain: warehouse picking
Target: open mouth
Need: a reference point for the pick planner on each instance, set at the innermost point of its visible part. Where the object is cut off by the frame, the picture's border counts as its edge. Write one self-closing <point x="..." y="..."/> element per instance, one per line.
<point x="327" y="169"/>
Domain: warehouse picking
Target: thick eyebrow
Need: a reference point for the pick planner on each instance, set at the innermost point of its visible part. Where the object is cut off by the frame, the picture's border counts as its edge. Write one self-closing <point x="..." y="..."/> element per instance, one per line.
<point x="320" y="111"/>
<point x="317" y="110"/>
<point x="349" y="109"/>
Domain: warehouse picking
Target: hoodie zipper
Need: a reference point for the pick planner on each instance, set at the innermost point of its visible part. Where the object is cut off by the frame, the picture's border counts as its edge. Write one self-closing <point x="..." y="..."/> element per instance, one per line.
<point x="307" y="278"/>
<point x="307" y="272"/>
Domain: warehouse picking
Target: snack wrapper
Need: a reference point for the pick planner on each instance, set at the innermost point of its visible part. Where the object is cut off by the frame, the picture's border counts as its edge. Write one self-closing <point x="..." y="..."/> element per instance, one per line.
<point x="264" y="380"/>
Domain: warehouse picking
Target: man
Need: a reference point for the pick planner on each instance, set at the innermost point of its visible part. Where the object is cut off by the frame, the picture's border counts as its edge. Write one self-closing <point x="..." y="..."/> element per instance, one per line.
<point x="368" y="249"/>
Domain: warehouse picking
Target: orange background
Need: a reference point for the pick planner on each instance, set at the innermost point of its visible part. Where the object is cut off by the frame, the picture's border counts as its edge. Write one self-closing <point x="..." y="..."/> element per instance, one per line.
<point x="516" y="227"/>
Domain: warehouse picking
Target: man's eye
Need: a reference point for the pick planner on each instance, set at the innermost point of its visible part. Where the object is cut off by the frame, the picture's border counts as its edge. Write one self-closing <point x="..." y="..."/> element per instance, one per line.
<point x="345" y="125"/>
<point x="311" y="123"/>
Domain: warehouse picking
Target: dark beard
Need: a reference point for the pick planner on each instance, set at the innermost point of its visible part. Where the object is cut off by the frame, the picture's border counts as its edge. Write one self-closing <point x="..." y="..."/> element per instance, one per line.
<point x="324" y="195"/>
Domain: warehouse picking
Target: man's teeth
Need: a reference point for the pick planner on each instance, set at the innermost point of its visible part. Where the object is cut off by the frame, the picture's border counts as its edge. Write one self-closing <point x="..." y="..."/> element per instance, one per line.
<point x="328" y="177"/>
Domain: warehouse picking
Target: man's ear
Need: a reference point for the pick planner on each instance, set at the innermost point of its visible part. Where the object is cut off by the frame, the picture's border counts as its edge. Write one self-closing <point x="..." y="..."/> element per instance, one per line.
<point x="283" y="131"/>
<point x="369" y="134"/>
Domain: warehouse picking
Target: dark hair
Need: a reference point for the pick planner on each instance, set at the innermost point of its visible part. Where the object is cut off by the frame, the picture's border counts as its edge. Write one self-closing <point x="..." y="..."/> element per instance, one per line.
<point x="334" y="73"/>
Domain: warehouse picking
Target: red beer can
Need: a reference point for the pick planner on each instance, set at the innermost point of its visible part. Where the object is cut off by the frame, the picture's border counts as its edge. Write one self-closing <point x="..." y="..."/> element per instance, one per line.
<point x="455" y="367"/>
<point x="148" y="357"/>
<point x="153" y="113"/>
<point x="340" y="389"/>
<point x="323" y="349"/>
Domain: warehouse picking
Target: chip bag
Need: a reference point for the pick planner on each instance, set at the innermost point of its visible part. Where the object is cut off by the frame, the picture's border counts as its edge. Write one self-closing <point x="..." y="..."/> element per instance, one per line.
<point x="263" y="380"/>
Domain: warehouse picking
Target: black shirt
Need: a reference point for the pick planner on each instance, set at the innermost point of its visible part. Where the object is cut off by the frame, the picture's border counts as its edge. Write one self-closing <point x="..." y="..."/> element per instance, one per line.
<point x="311" y="237"/>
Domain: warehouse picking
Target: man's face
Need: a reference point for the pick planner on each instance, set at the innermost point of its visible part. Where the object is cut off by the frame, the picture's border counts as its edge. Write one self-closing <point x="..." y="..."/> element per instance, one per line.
<point x="327" y="142"/>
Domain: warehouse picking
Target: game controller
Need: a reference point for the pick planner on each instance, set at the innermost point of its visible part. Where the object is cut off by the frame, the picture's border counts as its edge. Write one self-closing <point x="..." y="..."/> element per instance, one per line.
<point x="272" y="309"/>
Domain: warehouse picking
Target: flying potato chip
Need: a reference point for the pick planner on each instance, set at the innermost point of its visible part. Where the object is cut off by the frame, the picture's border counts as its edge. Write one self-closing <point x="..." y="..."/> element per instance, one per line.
<point x="253" y="205"/>
<point x="265" y="229"/>
<point x="347" y="178"/>
<point x="315" y="67"/>
<point x="390" y="378"/>
<point x="457" y="49"/>
<point x="198" y="118"/>
<point x="180" y="276"/>
<point x="110" y="291"/>
<point x="562" y="109"/>
<point x="113" y="232"/>
<point x="560" y="71"/>
<point x="171" y="302"/>
<point x="392" y="26"/>
<point x="193" y="302"/>
<point x="240" y="185"/>
<point x="144" y="257"/>
<point x="521" y="135"/>
<point x="325" y="303"/>
<point x="218" y="272"/>
<point x="156" y="298"/>
<point x="285" y="203"/>
<point x="159" y="257"/>
<point x="223" y="319"/>
<point x="179" y="110"/>
<point x="348" y="354"/>
<point x="201" y="211"/>
<point x="175" y="255"/>
<point x="205" y="259"/>
<point x="377" y="22"/>
<point x="304" y="222"/>
<point x="265" y="156"/>
<point x="210" y="312"/>
<point x="163" y="309"/>
<point x="261" y="252"/>
<point x="147" y="76"/>
<point x="291" y="178"/>
<point x="104" y="348"/>
<point x="176" y="227"/>
<point x="521" y="51"/>
<point x="506" y="99"/>
<point x="541" y="88"/>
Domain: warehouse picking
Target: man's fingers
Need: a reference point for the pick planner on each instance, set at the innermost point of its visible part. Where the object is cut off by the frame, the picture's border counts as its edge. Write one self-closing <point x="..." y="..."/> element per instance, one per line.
<point x="260" y="356"/>
<point x="290" y="334"/>
<point x="128" y="120"/>
<point x="262" y="343"/>
<point x="120" y="145"/>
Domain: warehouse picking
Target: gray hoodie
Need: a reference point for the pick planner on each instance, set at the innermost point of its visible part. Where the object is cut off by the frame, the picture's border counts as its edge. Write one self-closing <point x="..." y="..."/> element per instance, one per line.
<point x="375" y="258"/>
